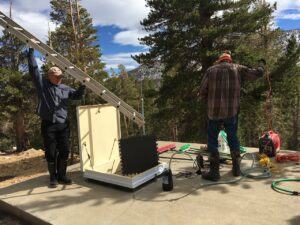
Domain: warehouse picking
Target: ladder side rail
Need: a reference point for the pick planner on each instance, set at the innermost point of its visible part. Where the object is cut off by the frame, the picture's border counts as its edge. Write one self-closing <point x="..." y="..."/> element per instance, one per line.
<point x="131" y="115"/>
<point x="30" y="37"/>
<point x="101" y="87"/>
<point x="102" y="91"/>
<point x="28" y="40"/>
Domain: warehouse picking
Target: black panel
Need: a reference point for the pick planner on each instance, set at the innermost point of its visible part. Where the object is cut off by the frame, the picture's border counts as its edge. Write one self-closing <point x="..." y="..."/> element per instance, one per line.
<point x="138" y="154"/>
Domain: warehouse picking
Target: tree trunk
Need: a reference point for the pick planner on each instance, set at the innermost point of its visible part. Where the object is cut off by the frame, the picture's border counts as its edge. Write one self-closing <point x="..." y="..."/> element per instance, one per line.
<point x="74" y="30"/>
<point x="296" y="124"/>
<point x="20" y="131"/>
<point x="79" y="27"/>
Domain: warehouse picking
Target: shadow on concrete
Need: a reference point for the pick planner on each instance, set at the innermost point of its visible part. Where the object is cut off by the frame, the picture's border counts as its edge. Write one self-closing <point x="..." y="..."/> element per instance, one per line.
<point x="39" y="198"/>
<point x="295" y="220"/>
<point x="188" y="186"/>
<point x="43" y="198"/>
<point x="93" y="194"/>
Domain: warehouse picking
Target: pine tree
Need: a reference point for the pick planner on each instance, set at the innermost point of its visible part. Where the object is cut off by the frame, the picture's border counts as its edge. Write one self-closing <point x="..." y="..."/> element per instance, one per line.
<point x="286" y="88"/>
<point x="256" y="96"/>
<point x="16" y="103"/>
<point x="76" y="39"/>
<point x="186" y="37"/>
<point x="14" y="89"/>
<point x="126" y="88"/>
<point x="191" y="34"/>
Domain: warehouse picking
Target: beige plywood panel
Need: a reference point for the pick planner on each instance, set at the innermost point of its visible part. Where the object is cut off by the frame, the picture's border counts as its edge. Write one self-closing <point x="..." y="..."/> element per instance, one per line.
<point x="99" y="134"/>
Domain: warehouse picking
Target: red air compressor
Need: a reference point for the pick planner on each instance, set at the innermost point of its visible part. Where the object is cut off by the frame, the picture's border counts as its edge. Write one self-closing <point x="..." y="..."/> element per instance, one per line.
<point x="269" y="143"/>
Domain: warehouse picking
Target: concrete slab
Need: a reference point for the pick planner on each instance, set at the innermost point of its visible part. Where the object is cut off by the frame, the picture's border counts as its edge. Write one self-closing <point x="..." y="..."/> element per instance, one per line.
<point x="248" y="201"/>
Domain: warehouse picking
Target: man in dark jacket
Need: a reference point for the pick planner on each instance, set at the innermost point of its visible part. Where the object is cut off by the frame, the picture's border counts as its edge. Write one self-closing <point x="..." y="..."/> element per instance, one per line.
<point x="221" y="87"/>
<point x="52" y="109"/>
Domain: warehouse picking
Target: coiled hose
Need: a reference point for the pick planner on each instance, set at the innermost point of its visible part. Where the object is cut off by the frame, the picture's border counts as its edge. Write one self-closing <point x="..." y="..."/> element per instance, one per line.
<point x="275" y="187"/>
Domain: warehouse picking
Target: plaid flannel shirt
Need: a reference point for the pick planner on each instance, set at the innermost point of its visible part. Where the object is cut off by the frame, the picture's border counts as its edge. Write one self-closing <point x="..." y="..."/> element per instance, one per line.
<point x="221" y="87"/>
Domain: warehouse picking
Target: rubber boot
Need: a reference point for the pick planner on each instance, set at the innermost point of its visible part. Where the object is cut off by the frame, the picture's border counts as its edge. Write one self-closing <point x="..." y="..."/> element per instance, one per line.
<point x="214" y="173"/>
<point x="62" y="172"/>
<point x="52" y="172"/>
<point x="235" y="155"/>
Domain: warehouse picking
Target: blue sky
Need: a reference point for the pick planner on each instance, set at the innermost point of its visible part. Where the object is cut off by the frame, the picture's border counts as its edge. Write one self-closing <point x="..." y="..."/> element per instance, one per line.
<point x="116" y="53"/>
<point x="289" y="19"/>
<point x="118" y="23"/>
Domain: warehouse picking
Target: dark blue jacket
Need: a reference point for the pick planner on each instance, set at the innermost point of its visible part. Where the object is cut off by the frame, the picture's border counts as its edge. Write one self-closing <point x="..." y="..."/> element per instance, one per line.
<point x="52" y="99"/>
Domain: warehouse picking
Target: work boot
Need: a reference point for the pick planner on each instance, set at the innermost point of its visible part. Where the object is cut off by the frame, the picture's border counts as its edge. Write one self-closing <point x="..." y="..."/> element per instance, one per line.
<point x="214" y="164"/>
<point x="235" y="155"/>
<point x="62" y="172"/>
<point x="52" y="172"/>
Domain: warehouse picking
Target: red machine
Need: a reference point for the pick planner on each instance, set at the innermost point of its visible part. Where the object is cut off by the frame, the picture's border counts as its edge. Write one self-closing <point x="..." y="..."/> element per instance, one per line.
<point x="269" y="143"/>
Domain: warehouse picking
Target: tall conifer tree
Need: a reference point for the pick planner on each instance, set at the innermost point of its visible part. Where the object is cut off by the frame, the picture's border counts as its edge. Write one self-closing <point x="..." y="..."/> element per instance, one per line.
<point x="186" y="37"/>
<point x="15" y="89"/>
<point x="76" y="39"/>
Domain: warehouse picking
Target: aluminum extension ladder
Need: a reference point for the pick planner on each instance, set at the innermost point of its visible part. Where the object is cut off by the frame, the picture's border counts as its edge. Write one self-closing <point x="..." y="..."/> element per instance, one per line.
<point x="26" y="37"/>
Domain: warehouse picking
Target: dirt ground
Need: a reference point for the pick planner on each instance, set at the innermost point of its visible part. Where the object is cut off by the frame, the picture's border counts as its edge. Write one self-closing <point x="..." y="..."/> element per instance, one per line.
<point x="18" y="167"/>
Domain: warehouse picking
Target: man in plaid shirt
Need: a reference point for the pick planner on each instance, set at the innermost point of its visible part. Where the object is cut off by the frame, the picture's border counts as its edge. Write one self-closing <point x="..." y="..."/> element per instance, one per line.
<point x="221" y="87"/>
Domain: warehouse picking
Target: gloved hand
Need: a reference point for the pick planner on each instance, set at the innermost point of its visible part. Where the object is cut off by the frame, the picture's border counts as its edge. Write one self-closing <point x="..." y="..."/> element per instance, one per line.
<point x="262" y="62"/>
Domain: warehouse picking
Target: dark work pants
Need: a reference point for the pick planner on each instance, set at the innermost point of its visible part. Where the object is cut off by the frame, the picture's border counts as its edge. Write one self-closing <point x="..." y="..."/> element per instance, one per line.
<point x="56" y="140"/>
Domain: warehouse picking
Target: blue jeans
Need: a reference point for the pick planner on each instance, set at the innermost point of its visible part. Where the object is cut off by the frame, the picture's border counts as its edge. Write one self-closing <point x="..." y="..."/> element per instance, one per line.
<point x="230" y="125"/>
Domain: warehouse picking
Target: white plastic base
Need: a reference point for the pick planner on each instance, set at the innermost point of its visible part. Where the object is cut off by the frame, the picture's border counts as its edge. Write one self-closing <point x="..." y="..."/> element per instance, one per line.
<point x="126" y="181"/>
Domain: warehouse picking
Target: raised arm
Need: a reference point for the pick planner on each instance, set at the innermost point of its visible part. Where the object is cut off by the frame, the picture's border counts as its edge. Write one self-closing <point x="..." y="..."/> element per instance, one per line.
<point x="33" y="69"/>
<point x="252" y="73"/>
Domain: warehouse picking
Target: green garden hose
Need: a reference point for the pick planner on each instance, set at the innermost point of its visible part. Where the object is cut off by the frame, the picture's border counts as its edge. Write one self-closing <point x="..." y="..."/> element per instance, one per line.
<point x="276" y="188"/>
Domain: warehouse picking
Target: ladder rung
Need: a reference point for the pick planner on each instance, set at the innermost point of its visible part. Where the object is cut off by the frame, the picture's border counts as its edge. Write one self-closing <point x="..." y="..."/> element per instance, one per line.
<point x="18" y="28"/>
<point x="71" y="67"/>
<point x="35" y="41"/>
<point x="2" y="16"/>
<point x="54" y="54"/>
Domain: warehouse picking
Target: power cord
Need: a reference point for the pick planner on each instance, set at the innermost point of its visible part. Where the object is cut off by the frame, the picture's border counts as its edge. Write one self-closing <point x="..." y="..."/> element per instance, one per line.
<point x="244" y="173"/>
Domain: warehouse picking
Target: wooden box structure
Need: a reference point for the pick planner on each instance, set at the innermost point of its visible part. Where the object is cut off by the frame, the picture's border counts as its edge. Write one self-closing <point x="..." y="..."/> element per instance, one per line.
<point x="99" y="133"/>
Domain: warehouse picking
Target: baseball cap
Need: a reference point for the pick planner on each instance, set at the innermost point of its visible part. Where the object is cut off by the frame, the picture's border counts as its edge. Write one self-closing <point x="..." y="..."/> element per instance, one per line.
<point x="55" y="71"/>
